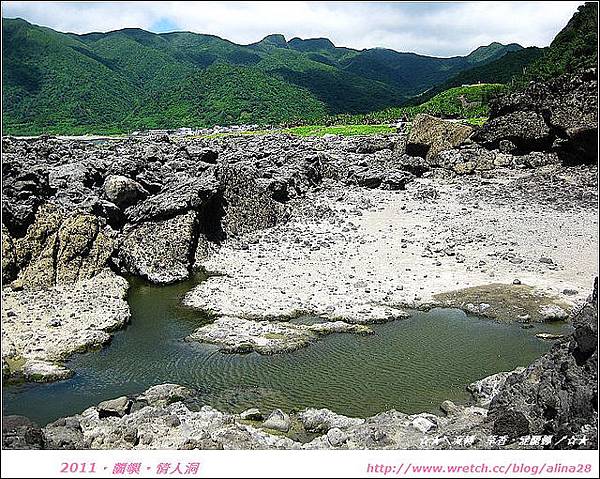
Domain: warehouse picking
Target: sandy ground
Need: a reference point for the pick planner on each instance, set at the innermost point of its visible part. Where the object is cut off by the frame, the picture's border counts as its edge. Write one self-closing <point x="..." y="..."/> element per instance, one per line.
<point x="385" y="250"/>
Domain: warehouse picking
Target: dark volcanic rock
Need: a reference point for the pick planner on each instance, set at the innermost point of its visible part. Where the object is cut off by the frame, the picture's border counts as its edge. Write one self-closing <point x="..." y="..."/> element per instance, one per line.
<point x="161" y="251"/>
<point x="122" y="191"/>
<point x="560" y="114"/>
<point x="65" y="433"/>
<point x="19" y="432"/>
<point x="558" y="393"/>
<point x="527" y="130"/>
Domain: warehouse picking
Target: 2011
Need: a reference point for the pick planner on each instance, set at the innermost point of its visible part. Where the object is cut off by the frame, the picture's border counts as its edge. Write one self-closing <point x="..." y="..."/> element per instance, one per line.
<point x="78" y="467"/>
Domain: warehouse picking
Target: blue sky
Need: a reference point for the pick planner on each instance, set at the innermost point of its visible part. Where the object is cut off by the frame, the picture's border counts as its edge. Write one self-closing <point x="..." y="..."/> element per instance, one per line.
<point x="440" y="29"/>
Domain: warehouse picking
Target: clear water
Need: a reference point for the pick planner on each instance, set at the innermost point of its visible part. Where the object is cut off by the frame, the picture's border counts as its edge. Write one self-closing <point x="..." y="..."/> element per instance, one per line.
<point x="410" y="365"/>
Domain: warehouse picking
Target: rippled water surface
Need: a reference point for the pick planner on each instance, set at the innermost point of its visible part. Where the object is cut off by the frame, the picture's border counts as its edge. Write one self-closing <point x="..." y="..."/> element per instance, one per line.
<point x="410" y="365"/>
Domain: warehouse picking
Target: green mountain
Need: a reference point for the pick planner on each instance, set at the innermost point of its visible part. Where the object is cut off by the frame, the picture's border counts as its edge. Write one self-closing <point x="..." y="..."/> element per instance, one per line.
<point x="575" y="46"/>
<point x="129" y="79"/>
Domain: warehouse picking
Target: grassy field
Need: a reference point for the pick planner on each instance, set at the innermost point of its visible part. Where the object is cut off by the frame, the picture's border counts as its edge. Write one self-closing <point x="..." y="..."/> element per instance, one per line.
<point x="344" y="130"/>
<point x="313" y="130"/>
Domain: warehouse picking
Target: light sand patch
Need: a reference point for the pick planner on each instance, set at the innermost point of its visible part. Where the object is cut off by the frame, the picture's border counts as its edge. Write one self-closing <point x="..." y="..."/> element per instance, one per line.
<point x="382" y="250"/>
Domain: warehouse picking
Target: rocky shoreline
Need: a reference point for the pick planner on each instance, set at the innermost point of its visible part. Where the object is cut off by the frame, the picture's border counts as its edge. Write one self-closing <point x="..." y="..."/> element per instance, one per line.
<point x="352" y="231"/>
<point x="508" y="410"/>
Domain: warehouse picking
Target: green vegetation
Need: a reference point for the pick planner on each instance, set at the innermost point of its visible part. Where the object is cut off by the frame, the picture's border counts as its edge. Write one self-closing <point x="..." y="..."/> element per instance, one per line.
<point x="470" y="102"/>
<point x="315" y="130"/>
<point x="502" y="70"/>
<point x="130" y="79"/>
<point x="477" y="121"/>
<point x="574" y="47"/>
<point x="344" y="130"/>
<point x="115" y="82"/>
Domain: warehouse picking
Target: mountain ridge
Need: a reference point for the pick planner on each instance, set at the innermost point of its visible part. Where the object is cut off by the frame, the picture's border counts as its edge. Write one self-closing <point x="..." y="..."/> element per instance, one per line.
<point x="131" y="78"/>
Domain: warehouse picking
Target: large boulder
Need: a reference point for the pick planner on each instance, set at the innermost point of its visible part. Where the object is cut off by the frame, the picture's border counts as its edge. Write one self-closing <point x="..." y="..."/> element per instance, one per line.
<point x="181" y="193"/>
<point x="526" y="129"/>
<point x="248" y="200"/>
<point x="114" y="407"/>
<point x="430" y="135"/>
<point x="122" y="191"/>
<point x="160" y="251"/>
<point x="60" y="248"/>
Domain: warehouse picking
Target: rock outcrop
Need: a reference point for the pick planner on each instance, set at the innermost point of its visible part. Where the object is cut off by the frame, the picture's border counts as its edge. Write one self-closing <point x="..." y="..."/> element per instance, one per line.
<point x="40" y="329"/>
<point x="19" y="432"/>
<point x="68" y="206"/>
<point x="559" y="115"/>
<point x="162" y="251"/>
<point x="558" y="393"/>
<point x="57" y="249"/>
<point x="236" y="335"/>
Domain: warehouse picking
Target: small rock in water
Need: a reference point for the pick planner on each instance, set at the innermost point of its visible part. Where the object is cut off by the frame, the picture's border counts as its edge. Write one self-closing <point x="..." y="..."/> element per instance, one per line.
<point x="278" y="420"/>
<point x="552" y="312"/>
<point x="516" y="281"/>
<point x="549" y="336"/>
<point x="252" y="414"/>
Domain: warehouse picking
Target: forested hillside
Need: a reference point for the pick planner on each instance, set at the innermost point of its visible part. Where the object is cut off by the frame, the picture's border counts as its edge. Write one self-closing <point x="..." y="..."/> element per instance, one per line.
<point x="130" y="79"/>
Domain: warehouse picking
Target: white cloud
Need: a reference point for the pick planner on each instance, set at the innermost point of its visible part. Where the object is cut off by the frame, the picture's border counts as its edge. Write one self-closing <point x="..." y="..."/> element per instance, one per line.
<point x="442" y="29"/>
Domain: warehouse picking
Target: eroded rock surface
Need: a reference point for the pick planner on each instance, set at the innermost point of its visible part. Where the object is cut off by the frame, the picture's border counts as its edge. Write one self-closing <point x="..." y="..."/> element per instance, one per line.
<point x="236" y="335"/>
<point x="563" y="381"/>
<point x="560" y="114"/>
<point x="558" y="393"/>
<point x="162" y="251"/>
<point x="42" y="328"/>
<point x="555" y="395"/>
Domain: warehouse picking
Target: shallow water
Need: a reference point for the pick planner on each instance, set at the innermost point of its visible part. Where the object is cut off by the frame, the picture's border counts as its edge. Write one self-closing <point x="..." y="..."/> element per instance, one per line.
<point x="410" y="365"/>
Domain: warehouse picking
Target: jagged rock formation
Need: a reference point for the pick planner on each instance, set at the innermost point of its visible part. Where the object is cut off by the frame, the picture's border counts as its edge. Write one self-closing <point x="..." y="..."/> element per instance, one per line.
<point x="558" y="393"/>
<point x="19" y="432"/>
<point x="58" y="248"/>
<point x="151" y="208"/>
<point x="71" y="208"/>
<point x="559" y="115"/>
<point x="160" y="251"/>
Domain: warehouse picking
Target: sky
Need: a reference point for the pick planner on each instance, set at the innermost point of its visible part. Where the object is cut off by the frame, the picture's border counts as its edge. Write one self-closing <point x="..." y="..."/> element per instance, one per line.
<point x="438" y="29"/>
